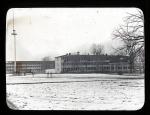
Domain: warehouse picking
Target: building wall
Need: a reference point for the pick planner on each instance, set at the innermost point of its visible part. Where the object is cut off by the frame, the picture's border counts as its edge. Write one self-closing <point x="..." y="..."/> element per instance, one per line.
<point x="91" y="64"/>
<point x="29" y="66"/>
<point x="74" y="64"/>
<point x="100" y="68"/>
<point x="58" y="64"/>
<point x="9" y="67"/>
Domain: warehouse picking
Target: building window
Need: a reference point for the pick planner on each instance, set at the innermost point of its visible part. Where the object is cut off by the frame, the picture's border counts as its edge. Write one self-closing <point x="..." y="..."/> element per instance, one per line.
<point x="125" y="67"/>
<point x="112" y="68"/>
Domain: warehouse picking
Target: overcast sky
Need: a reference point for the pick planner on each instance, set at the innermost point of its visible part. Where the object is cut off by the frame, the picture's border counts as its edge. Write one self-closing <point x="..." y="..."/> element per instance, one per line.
<point x="57" y="31"/>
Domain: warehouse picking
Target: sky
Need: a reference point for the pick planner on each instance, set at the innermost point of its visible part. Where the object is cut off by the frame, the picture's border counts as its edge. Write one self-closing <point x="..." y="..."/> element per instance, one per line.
<point x="56" y="31"/>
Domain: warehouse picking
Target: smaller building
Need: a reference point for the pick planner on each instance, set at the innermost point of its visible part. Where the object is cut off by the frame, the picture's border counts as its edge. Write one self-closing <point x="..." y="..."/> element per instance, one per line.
<point x="29" y="66"/>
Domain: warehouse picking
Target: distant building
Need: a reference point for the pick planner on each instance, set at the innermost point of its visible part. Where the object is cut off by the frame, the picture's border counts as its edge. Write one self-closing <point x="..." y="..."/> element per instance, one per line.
<point x="91" y="64"/>
<point x="29" y="66"/>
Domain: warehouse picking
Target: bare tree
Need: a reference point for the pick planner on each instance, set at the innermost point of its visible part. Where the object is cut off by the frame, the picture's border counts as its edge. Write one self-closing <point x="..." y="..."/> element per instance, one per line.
<point x="97" y="49"/>
<point x="118" y="51"/>
<point x="140" y="60"/>
<point x="46" y="58"/>
<point x="131" y="34"/>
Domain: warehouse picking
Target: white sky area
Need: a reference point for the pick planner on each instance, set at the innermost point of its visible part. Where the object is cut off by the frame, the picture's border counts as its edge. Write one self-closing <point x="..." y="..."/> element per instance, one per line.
<point x="56" y="31"/>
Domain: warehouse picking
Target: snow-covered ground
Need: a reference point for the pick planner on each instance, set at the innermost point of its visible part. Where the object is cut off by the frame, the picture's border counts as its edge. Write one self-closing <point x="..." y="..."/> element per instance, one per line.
<point x="76" y="92"/>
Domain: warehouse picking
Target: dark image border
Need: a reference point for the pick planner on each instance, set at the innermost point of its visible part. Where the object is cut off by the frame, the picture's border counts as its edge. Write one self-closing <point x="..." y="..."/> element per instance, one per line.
<point x="7" y="4"/>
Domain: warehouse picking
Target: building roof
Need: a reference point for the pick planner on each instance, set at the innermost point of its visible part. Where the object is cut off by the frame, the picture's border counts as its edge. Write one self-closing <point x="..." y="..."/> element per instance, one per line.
<point x="110" y="58"/>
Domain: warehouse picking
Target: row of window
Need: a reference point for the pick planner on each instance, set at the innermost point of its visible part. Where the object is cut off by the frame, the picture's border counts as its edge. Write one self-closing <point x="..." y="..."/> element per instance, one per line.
<point x="97" y="66"/>
<point x="33" y="65"/>
<point x="75" y="61"/>
<point x="83" y="63"/>
<point x="88" y="63"/>
<point x="125" y="68"/>
<point x="33" y="70"/>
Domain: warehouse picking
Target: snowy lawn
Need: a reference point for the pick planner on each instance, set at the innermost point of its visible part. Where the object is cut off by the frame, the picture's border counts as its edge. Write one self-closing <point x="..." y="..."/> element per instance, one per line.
<point x="76" y="92"/>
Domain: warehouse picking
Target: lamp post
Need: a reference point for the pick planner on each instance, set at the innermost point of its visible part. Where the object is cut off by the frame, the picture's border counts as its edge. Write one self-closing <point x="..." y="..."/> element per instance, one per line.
<point x="14" y="34"/>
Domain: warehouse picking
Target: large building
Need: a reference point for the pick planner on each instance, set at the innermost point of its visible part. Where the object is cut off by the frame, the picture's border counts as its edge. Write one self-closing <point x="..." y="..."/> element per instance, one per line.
<point x="29" y="66"/>
<point x="91" y="64"/>
<point x="74" y="64"/>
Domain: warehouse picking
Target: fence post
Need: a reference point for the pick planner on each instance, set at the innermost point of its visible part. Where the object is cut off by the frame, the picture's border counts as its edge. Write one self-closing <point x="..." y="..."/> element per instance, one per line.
<point x="33" y="74"/>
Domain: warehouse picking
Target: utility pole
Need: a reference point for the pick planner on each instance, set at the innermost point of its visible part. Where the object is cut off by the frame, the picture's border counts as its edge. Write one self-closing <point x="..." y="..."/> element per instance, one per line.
<point x="14" y="34"/>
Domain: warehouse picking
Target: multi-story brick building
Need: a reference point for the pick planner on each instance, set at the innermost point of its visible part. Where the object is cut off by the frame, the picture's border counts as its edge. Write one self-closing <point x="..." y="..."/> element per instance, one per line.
<point x="91" y="64"/>
<point x="29" y="66"/>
